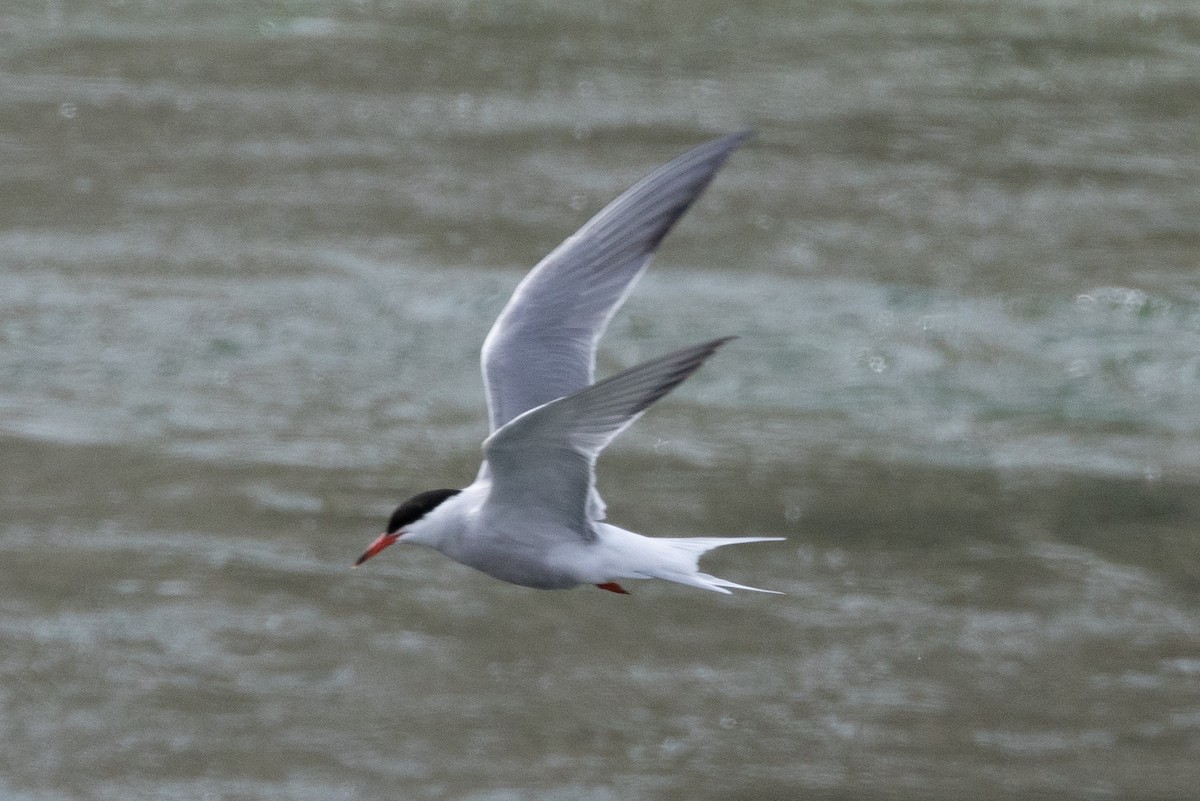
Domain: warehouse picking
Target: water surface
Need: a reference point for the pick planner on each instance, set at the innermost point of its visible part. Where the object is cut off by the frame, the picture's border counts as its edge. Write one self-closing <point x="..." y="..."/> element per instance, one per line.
<point x="248" y="254"/>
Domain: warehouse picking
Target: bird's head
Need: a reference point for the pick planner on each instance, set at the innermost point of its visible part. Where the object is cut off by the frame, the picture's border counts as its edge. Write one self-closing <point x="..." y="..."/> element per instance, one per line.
<point x="406" y="515"/>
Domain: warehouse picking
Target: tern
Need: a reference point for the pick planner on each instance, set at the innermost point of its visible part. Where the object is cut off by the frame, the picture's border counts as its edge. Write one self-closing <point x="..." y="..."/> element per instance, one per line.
<point x="533" y="516"/>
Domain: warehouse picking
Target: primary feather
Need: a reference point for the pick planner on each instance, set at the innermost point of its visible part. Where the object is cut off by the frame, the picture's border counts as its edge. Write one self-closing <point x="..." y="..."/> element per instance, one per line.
<point x="543" y="344"/>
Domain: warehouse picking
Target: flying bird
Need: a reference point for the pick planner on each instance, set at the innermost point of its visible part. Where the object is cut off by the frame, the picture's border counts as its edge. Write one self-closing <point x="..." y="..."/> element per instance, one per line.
<point x="533" y="516"/>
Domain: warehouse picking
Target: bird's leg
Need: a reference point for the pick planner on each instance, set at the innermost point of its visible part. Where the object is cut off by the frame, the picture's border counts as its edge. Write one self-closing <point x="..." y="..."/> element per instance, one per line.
<point x="613" y="586"/>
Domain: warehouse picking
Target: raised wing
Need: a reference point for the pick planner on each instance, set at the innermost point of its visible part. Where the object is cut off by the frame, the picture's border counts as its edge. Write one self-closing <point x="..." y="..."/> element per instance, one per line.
<point x="543" y="461"/>
<point x="543" y="345"/>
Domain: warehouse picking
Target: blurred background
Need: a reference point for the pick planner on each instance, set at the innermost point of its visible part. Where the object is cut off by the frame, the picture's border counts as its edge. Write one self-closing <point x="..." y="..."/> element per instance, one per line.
<point x="248" y="253"/>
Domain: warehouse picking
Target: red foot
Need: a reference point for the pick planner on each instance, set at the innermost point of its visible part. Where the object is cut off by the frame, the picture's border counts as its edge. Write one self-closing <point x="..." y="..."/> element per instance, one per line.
<point x="613" y="586"/>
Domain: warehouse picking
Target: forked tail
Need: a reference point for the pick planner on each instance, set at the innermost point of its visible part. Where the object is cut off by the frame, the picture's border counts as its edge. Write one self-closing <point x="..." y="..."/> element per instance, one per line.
<point x="687" y="567"/>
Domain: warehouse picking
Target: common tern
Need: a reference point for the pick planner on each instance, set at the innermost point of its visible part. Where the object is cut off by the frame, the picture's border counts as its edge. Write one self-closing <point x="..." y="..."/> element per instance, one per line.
<point x="533" y="516"/>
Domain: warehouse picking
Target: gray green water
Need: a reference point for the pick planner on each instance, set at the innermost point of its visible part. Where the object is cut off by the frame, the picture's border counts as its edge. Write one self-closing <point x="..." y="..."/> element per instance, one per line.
<point x="248" y="252"/>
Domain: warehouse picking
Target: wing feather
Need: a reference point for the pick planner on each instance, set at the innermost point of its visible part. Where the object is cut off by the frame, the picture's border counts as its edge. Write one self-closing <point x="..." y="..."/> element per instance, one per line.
<point x="543" y="345"/>
<point x="544" y="459"/>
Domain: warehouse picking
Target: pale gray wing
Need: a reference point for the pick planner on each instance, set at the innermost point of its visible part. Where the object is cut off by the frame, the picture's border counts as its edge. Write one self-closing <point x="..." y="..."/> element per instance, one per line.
<point x="543" y="345"/>
<point x="543" y="461"/>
